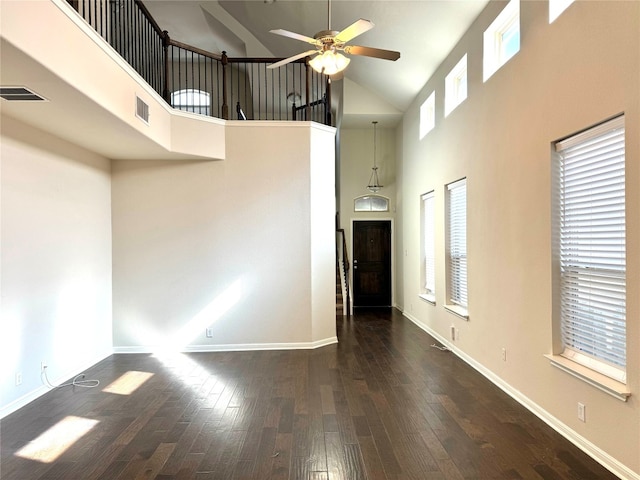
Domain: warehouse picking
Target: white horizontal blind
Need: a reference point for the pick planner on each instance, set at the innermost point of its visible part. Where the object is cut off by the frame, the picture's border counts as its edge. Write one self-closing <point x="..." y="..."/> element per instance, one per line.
<point x="457" y="242"/>
<point x="592" y="245"/>
<point x="429" y="243"/>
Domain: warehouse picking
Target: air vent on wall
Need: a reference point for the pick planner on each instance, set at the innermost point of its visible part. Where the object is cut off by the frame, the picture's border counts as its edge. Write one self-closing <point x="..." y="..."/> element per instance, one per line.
<point x="142" y="110"/>
<point x="20" y="94"/>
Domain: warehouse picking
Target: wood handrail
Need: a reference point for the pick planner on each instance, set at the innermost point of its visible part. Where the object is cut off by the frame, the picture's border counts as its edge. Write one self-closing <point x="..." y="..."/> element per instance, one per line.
<point x="147" y="14"/>
<point x="345" y="262"/>
<point x="262" y="60"/>
<point x="199" y="51"/>
<point x="345" y="253"/>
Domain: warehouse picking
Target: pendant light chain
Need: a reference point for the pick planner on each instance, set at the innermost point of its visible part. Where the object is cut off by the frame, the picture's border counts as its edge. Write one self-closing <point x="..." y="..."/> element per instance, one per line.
<point x="374" y="184"/>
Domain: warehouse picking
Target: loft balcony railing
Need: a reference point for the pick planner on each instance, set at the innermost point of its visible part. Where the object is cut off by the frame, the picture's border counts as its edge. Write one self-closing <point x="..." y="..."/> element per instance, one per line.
<point x="194" y="80"/>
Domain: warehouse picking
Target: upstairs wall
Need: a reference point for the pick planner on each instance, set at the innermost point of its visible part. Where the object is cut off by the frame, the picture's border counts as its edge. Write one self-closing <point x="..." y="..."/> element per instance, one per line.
<point x="90" y="90"/>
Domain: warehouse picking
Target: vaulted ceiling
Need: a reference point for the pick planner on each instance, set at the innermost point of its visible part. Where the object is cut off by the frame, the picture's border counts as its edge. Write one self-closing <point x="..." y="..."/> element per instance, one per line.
<point x="424" y="31"/>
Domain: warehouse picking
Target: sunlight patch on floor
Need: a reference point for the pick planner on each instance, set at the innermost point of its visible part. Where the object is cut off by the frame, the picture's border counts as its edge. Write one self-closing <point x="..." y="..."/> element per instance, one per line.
<point x="127" y="383"/>
<point x="56" y="440"/>
<point x="186" y="370"/>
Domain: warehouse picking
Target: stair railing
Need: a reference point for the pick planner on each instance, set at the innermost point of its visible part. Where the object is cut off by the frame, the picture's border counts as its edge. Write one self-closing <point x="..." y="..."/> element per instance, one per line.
<point x="202" y="82"/>
<point x="343" y="263"/>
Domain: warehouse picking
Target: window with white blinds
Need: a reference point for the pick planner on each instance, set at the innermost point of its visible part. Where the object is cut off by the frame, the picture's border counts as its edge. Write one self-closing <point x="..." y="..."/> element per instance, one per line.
<point x="457" y="242"/>
<point x="428" y="245"/>
<point x="592" y="248"/>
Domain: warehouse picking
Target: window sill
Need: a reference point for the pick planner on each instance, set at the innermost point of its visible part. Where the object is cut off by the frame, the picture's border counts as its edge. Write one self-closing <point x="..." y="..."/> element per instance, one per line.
<point x="458" y="310"/>
<point x="428" y="298"/>
<point x="598" y="380"/>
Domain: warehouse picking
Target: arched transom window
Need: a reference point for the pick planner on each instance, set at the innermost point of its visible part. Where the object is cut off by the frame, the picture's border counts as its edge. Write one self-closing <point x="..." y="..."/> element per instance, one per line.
<point x="371" y="203"/>
<point x="191" y="100"/>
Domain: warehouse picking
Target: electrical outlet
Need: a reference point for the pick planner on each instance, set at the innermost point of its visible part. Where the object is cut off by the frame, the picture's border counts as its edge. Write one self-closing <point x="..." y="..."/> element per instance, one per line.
<point x="18" y="378"/>
<point x="209" y="332"/>
<point x="453" y="332"/>
<point x="43" y="366"/>
<point x="581" y="412"/>
<point x="504" y="354"/>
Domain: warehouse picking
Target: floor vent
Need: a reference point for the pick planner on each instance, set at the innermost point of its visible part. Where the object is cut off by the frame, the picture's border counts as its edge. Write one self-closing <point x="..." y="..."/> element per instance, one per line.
<point x="20" y="94"/>
<point x="142" y="110"/>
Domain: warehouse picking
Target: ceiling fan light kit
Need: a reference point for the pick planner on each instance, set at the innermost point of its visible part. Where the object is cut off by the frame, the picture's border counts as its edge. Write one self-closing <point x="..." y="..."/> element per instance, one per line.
<point x="329" y="62"/>
<point x="329" y="43"/>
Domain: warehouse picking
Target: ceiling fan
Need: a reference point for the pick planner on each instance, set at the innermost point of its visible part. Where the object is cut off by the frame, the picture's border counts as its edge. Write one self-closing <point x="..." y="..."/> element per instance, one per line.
<point x="329" y="43"/>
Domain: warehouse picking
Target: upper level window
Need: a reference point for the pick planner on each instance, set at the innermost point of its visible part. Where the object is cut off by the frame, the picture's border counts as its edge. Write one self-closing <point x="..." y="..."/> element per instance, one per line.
<point x="455" y="86"/>
<point x="428" y="115"/>
<point x="556" y="7"/>
<point x="501" y="39"/>
<point x="371" y="203"/>
<point x="191" y="100"/>
<point x="590" y="209"/>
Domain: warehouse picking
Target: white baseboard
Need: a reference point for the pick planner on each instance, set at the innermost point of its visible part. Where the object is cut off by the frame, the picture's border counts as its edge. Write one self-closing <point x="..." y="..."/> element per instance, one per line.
<point x="38" y="392"/>
<point x="238" y="347"/>
<point x="578" y="440"/>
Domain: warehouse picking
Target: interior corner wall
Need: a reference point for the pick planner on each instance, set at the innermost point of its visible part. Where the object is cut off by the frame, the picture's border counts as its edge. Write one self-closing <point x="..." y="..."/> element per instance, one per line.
<point x="322" y="203"/>
<point x="220" y="245"/>
<point x="55" y="261"/>
<point x="569" y="75"/>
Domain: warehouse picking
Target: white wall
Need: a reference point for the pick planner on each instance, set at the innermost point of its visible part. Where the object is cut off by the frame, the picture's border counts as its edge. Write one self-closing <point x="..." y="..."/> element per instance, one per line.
<point x="236" y="246"/>
<point x="55" y="260"/>
<point x="574" y="73"/>
<point x="360" y="105"/>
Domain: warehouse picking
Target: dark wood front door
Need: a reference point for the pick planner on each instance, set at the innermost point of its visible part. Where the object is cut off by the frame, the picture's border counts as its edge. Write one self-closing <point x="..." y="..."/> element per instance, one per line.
<point x="372" y="263"/>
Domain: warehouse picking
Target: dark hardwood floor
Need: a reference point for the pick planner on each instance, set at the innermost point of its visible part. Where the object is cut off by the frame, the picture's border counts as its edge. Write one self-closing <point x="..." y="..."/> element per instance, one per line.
<point x="381" y="404"/>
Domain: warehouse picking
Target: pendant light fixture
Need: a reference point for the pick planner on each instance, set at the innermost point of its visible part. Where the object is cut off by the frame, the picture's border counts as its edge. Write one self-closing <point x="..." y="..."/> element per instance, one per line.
<point x="374" y="184"/>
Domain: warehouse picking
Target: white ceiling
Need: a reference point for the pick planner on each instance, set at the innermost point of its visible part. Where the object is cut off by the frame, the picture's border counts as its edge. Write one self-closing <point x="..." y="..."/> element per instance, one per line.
<point x="423" y="31"/>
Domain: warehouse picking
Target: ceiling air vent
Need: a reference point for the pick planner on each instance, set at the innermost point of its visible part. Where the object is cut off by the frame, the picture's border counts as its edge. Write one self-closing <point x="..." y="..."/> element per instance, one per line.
<point x="142" y="110"/>
<point x="19" y="94"/>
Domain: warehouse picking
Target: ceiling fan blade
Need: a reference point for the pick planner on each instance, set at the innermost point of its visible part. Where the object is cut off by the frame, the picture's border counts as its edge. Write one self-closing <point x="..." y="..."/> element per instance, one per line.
<point x="295" y="36"/>
<point x="372" y="52"/>
<point x="292" y="59"/>
<point x="352" y="31"/>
